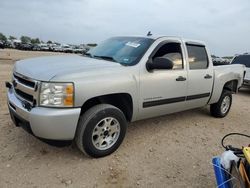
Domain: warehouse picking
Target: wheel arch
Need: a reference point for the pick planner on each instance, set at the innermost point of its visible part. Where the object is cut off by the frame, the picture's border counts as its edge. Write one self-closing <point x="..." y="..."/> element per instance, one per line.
<point x="231" y="85"/>
<point x="123" y="101"/>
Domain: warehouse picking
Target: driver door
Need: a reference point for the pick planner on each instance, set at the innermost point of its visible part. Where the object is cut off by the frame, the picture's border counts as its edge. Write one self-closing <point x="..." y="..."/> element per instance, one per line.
<point x="164" y="91"/>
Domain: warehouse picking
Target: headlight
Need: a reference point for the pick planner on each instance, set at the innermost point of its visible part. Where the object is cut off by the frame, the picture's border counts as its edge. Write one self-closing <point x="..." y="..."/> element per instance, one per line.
<point x="57" y="94"/>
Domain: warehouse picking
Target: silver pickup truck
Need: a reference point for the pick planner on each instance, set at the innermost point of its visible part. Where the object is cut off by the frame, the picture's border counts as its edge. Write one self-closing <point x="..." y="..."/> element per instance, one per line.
<point x="91" y="98"/>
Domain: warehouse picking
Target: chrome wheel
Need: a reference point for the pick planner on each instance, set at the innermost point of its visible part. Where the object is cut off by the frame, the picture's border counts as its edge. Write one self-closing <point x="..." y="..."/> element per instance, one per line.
<point x="225" y="105"/>
<point x="106" y="133"/>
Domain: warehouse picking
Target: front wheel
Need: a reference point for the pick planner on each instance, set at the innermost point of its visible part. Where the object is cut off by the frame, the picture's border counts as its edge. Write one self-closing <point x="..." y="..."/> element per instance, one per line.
<point x="222" y="107"/>
<point x="101" y="130"/>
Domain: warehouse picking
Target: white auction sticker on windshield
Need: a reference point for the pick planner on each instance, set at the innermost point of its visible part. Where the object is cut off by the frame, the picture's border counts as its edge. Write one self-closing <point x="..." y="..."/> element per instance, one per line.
<point x="133" y="44"/>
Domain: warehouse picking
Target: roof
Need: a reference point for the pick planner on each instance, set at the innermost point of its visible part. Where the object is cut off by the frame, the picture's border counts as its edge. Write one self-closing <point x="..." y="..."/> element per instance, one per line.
<point x="156" y="37"/>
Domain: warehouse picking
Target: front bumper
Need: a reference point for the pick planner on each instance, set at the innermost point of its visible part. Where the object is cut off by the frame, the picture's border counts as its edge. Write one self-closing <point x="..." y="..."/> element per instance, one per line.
<point x="47" y="123"/>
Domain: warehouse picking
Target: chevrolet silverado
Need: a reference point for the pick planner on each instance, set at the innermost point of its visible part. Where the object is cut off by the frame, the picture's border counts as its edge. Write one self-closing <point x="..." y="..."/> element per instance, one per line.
<point x="91" y="98"/>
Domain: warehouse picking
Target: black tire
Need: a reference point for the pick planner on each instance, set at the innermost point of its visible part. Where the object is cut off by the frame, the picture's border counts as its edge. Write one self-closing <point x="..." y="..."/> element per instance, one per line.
<point x="89" y="120"/>
<point x="215" y="109"/>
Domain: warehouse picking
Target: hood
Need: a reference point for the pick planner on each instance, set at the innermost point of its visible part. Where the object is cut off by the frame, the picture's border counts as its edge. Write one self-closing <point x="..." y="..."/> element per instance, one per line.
<point x="45" y="68"/>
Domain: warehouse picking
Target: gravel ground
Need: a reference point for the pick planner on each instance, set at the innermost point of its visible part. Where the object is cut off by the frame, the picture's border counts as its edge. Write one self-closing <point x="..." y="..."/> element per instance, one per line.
<point x="169" y="151"/>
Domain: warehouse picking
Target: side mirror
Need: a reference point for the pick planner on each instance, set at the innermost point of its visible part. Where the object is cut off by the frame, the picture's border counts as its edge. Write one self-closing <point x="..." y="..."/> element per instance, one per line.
<point x="159" y="63"/>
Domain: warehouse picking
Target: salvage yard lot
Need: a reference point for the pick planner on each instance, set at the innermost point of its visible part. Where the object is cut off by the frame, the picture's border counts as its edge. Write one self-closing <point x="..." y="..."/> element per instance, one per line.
<point x="169" y="151"/>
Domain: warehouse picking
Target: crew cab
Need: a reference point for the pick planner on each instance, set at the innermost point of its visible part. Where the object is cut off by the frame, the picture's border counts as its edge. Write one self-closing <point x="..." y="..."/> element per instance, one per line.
<point x="91" y="98"/>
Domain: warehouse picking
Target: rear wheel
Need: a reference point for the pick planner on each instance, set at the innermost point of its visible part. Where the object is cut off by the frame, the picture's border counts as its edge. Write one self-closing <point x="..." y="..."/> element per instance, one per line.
<point x="222" y="107"/>
<point x="101" y="130"/>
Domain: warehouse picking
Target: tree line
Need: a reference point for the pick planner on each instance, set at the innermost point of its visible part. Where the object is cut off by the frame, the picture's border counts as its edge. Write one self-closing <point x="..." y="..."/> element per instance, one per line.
<point x="24" y="39"/>
<point x="27" y="39"/>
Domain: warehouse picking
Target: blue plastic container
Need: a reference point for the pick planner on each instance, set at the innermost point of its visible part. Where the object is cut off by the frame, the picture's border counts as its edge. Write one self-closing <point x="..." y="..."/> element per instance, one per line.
<point x="220" y="174"/>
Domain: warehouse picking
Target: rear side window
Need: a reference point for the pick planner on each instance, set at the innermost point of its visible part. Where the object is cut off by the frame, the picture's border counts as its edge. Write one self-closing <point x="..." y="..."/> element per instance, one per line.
<point x="197" y="57"/>
<point x="242" y="59"/>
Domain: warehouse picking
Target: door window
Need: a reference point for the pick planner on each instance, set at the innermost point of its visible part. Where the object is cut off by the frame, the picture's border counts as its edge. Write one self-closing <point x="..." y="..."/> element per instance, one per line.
<point x="197" y="57"/>
<point x="171" y="51"/>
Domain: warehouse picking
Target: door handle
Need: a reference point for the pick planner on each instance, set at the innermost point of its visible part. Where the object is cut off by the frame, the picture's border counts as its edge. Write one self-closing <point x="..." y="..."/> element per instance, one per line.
<point x="208" y="76"/>
<point x="180" y="78"/>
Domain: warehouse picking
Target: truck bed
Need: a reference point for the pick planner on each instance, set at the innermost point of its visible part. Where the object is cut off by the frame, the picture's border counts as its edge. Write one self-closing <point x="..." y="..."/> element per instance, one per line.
<point x="223" y="74"/>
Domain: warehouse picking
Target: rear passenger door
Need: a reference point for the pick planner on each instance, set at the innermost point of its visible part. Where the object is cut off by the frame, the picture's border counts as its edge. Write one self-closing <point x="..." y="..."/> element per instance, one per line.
<point x="200" y="76"/>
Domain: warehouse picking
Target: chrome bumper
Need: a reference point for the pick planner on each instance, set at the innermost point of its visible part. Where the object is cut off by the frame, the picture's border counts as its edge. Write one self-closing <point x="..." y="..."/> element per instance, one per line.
<point x="47" y="123"/>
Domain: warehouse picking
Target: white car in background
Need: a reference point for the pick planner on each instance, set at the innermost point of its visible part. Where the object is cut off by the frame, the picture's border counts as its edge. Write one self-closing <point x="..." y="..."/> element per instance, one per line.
<point x="58" y="48"/>
<point x="67" y="48"/>
<point x="244" y="60"/>
<point x="79" y="49"/>
<point x="44" y="47"/>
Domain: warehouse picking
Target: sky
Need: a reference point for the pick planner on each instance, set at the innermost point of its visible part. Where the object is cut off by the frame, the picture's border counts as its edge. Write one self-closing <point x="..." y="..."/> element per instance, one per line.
<point x="224" y="25"/>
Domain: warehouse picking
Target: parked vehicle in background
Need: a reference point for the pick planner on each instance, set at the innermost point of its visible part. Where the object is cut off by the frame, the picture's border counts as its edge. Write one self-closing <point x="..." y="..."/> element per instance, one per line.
<point x="67" y="48"/>
<point x="78" y="49"/>
<point x="16" y="43"/>
<point x="2" y="45"/>
<point x="91" y="98"/>
<point x="44" y="47"/>
<point x="220" y="61"/>
<point x="58" y="48"/>
<point x="49" y="46"/>
<point x="52" y="46"/>
<point x="24" y="46"/>
<point x="9" y="44"/>
<point x="36" y="47"/>
<point x="244" y="60"/>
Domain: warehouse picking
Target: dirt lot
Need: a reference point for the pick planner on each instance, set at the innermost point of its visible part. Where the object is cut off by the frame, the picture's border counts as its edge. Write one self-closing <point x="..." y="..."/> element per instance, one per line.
<point x="169" y="151"/>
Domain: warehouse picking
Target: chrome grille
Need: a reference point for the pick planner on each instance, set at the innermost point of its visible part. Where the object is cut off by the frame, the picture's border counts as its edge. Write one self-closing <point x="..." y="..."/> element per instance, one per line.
<point x="25" y="88"/>
<point x="25" y="81"/>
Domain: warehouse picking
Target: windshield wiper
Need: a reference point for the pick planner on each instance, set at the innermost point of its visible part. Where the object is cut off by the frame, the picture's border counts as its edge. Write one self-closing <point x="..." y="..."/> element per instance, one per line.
<point x="109" y="58"/>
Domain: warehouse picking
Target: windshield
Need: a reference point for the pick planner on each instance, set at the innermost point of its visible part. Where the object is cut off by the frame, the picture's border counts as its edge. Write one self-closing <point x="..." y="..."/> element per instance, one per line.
<point x="124" y="50"/>
<point x="242" y="59"/>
